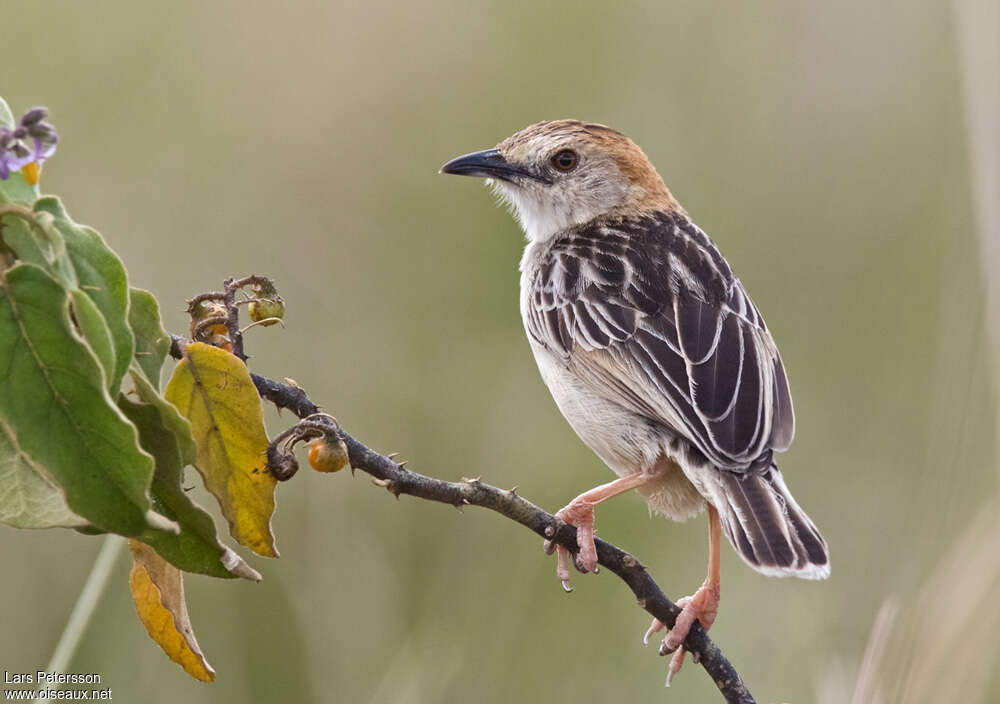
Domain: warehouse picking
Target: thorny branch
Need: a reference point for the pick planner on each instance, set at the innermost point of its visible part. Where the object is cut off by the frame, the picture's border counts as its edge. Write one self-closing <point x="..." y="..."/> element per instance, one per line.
<point x="398" y="480"/>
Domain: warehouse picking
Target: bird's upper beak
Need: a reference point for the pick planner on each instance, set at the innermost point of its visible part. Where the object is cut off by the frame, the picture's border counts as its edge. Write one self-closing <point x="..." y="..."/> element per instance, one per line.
<point x="488" y="163"/>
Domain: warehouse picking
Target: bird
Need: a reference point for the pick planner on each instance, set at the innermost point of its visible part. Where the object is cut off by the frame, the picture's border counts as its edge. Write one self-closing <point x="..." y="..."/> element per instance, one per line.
<point x="654" y="353"/>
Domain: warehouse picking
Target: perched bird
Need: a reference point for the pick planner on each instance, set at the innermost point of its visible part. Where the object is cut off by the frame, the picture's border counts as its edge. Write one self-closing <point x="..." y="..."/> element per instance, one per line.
<point x="653" y="352"/>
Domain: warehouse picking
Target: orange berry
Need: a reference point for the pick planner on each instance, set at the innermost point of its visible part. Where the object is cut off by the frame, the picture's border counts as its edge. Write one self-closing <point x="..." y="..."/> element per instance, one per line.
<point x="327" y="457"/>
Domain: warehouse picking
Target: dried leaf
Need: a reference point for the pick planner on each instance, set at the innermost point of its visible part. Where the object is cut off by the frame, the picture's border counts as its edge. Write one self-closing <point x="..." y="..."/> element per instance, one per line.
<point x="213" y="390"/>
<point x="158" y="591"/>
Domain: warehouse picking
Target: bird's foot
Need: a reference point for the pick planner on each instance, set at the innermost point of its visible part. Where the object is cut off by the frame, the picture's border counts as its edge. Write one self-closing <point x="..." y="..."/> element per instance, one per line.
<point x="579" y="513"/>
<point x="703" y="605"/>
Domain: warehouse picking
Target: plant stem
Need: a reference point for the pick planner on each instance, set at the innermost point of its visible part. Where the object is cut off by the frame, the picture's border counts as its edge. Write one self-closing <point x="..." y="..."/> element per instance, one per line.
<point x="86" y="603"/>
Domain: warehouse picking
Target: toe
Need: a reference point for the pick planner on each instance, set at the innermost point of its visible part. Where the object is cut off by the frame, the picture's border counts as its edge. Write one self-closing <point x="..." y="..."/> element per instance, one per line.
<point x="562" y="567"/>
<point x="681" y="628"/>
<point x="665" y="649"/>
<point x="703" y="605"/>
<point x="674" y="639"/>
<point x="587" y="559"/>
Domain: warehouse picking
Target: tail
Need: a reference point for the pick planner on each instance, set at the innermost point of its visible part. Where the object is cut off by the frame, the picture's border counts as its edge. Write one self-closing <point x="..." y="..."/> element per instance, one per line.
<point x="767" y="528"/>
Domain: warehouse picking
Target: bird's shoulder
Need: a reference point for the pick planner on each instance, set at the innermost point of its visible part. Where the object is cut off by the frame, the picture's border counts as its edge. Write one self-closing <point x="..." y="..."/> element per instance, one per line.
<point x="612" y="272"/>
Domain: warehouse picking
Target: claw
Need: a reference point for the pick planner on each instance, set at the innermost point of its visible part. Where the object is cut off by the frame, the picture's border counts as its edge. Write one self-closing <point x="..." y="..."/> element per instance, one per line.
<point x="676" y="662"/>
<point x="703" y="605"/>
<point x="562" y="568"/>
<point x="655" y="627"/>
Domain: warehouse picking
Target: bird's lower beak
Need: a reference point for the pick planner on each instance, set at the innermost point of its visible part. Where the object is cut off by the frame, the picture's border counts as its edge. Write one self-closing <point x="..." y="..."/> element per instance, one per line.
<point x="488" y="163"/>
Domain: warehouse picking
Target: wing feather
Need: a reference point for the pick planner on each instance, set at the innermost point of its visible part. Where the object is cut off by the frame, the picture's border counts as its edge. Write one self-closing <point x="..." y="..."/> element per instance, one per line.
<point x="649" y="315"/>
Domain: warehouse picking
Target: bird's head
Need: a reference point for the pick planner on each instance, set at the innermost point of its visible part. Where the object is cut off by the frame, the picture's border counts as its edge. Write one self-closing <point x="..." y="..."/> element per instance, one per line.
<point x="565" y="173"/>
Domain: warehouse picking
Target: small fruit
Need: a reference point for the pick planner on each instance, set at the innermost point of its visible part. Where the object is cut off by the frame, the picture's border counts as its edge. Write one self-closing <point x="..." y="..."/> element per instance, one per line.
<point x="204" y="310"/>
<point x="267" y="311"/>
<point x="284" y="468"/>
<point x="328" y="457"/>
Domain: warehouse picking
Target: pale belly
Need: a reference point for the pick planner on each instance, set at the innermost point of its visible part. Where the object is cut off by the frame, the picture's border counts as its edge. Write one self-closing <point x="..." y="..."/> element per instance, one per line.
<point x="627" y="442"/>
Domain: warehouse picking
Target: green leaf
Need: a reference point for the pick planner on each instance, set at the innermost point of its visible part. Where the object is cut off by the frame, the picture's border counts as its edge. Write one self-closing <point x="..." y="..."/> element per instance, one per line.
<point x="27" y="498"/>
<point x="151" y="341"/>
<point x="16" y="190"/>
<point x="34" y="239"/>
<point x="58" y="411"/>
<point x="169" y="414"/>
<point x="197" y="547"/>
<point x="95" y="331"/>
<point x="102" y="277"/>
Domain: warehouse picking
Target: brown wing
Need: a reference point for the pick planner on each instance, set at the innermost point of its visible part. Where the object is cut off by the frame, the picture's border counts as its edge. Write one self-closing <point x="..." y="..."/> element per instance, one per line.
<point x="648" y="313"/>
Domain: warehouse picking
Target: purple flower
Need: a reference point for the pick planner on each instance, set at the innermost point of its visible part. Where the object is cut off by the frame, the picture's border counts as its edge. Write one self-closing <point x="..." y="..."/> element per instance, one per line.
<point x="15" y="149"/>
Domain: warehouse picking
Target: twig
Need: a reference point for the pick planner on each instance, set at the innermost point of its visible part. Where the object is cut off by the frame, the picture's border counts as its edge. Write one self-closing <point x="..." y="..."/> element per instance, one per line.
<point x="232" y="309"/>
<point x="398" y="480"/>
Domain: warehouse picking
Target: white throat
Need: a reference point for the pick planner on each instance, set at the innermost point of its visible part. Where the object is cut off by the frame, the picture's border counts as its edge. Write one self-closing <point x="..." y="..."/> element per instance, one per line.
<point x="544" y="212"/>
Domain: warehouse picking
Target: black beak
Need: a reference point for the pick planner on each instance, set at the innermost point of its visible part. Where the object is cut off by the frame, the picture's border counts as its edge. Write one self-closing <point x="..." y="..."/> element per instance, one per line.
<point x="488" y="163"/>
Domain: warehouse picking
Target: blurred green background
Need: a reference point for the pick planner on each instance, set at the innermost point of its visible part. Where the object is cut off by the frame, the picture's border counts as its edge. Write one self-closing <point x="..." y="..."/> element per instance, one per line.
<point x="820" y="144"/>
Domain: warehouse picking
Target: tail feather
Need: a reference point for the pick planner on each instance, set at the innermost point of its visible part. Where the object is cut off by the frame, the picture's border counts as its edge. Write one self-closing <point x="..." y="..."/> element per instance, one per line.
<point x="767" y="528"/>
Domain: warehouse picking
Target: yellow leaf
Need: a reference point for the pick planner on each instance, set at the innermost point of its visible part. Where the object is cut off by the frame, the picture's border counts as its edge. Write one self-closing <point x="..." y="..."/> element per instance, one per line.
<point x="213" y="390"/>
<point x="158" y="592"/>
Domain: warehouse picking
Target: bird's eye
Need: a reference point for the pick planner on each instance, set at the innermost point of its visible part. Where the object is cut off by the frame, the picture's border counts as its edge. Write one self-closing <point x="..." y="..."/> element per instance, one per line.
<point x="565" y="160"/>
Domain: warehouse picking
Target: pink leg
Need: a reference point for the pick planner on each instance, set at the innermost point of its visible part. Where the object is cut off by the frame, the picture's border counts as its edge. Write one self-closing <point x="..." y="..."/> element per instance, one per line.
<point x="580" y="513"/>
<point x="703" y="605"/>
